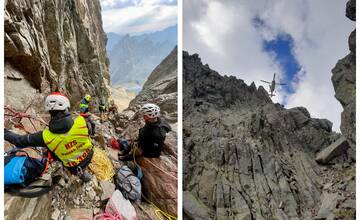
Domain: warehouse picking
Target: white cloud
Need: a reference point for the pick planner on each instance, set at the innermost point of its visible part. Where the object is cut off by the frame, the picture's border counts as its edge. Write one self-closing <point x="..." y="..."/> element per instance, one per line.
<point x="224" y="35"/>
<point x="108" y="4"/>
<point x="222" y="24"/>
<point x="136" y="17"/>
<point x="225" y="38"/>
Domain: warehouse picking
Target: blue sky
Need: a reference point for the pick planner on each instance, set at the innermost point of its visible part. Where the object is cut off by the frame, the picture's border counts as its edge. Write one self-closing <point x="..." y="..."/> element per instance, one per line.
<point x="138" y="16"/>
<point x="281" y="48"/>
<point x="300" y="40"/>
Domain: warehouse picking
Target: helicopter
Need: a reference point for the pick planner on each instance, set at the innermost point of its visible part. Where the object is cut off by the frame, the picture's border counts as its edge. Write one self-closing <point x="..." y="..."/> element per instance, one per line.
<point x="272" y="85"/>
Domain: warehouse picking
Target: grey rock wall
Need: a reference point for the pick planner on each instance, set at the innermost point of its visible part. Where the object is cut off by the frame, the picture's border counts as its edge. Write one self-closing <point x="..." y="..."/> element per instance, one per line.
<point x="56" y="45"/>
<point x="248" y="158"/>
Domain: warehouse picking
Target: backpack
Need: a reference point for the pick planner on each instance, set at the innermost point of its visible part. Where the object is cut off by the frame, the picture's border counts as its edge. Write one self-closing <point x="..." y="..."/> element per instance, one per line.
<point x="129" y="183"/>
<point x="22" y="173"/>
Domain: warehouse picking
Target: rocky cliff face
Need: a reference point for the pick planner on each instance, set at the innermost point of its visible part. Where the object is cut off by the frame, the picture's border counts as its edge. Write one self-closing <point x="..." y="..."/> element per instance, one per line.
<point x="54" y="45"/>
<point x="248" y="158"/>
<point x="344" y="81"/>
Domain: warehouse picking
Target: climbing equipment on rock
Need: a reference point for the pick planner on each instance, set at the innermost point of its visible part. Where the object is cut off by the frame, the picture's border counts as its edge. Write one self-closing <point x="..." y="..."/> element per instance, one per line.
<point x="136" y="169"/>
<point x="101" y="165"/>
<point x="121" y="144"/>
<point x="15" y="117"/>
<point x="125" y="145"/>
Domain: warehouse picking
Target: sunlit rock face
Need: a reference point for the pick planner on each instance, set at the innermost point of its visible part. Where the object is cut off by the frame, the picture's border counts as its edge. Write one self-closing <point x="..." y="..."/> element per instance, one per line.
<point x="55" y="45"/>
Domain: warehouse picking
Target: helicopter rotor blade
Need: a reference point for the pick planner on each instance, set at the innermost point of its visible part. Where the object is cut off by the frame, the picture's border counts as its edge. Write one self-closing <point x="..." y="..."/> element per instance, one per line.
<point x="281" y="84"/>
<point x="265" y="81"/>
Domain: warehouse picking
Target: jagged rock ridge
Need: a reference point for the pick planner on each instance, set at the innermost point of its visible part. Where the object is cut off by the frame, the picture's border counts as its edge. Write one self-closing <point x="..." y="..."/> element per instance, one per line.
<point x="344" y="82"/>
<point x="248" y="158"/>
<point x="54" y="45"/>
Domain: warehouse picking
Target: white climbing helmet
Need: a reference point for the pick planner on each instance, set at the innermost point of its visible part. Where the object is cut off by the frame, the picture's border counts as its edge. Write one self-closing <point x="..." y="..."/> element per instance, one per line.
<point x="150" y="110"/>
<point x="57" y="101"/>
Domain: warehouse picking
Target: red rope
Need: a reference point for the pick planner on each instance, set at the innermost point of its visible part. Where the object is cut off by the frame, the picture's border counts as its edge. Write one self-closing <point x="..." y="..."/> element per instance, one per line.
<point x="12" y="114"/>
<point x="20" y="115"/>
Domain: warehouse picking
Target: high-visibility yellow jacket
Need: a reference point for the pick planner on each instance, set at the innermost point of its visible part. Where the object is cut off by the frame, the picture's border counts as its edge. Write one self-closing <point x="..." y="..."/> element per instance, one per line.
<point x="72" y="147"/>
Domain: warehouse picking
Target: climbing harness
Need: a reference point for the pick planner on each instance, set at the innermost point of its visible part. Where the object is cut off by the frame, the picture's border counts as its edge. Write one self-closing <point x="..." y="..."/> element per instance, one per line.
<point x="101" y="165"/>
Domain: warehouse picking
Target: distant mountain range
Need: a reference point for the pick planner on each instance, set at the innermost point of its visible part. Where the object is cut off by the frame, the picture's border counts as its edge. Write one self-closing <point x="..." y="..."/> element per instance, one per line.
<point x="132" y="58"/>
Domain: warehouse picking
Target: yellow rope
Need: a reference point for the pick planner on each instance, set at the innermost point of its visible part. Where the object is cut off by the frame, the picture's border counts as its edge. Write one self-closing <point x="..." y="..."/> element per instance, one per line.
<point x="101" y="165"/>
<point x="158" y="212"/>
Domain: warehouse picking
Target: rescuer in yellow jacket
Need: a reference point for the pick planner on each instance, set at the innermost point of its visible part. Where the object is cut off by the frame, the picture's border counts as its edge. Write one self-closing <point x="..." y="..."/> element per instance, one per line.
<point x="84" y="104"/>
<point x="67" y="138"/>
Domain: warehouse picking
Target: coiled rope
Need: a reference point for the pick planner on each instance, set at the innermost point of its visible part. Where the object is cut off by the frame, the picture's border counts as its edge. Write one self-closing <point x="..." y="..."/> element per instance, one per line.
<point x="101" y="165"/>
